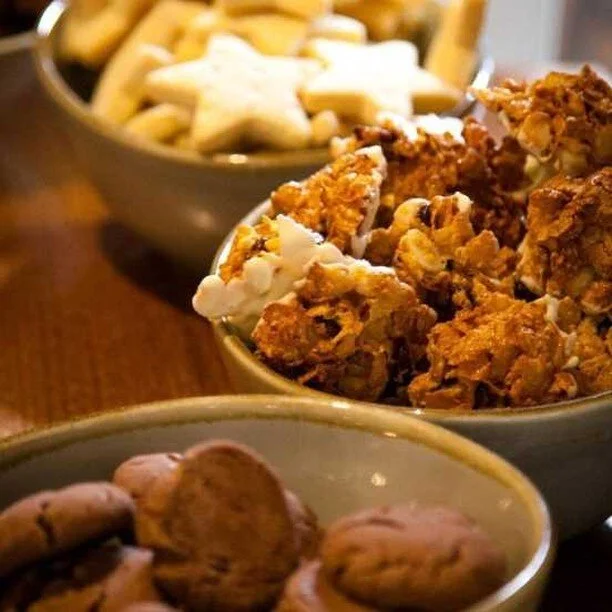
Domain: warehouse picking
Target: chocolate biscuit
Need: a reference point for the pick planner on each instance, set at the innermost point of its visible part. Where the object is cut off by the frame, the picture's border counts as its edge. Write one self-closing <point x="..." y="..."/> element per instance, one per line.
<point x="136" y="475"/>
<point x="100" y="578"/>
<point x="428" y="558"/>
<point x="221" y="530"/>
<point x="308" y="590"/>
<point x="51" y="522"/>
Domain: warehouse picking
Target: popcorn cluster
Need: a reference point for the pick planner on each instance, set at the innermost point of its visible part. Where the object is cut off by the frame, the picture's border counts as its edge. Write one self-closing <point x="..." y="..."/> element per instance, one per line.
<point x="480" y="283"/>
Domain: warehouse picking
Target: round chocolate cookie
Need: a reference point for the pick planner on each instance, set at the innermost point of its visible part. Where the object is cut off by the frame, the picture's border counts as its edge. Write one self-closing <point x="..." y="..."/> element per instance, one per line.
<point x="221" y="530"/>
<point x="428" y="558"/>
<point x="52" y="522"/>
<point x="308" y="590"/>
<point x="137" y="475"/>
<point x="105" y="578"/>
<point x="308" y="534"/>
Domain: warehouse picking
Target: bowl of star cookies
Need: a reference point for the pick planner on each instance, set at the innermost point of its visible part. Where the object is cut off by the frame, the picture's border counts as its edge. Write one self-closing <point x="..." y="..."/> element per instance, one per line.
<point x="457" y="277"/>
<point x="183" y="113"/>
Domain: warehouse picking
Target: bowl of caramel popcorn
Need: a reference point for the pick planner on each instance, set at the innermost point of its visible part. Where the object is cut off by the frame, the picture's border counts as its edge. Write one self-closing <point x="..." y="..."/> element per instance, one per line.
<point x="451" y="275"/>
<point x="183" y="112"/>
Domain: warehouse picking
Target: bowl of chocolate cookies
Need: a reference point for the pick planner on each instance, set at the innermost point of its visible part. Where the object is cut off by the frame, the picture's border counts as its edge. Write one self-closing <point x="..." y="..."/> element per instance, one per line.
<point x="265" y="503"/>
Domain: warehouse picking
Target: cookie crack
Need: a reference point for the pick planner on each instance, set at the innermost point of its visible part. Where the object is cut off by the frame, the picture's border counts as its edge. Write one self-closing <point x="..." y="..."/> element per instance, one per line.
<point x="46" y="526"/>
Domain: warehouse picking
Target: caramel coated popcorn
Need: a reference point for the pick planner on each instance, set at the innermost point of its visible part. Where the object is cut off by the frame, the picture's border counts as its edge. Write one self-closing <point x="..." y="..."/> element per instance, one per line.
<point x="340" y="201"/>
<point x="429" y="165"/>
<point x="345" y="329"/>
<point x="562" y="119"/>
<point x="594" y="353"/>
<point x="568" y="249"/>
<point x="503" y="352"/>
<point x="249" y="242"/>
<point x="447" y="273"/>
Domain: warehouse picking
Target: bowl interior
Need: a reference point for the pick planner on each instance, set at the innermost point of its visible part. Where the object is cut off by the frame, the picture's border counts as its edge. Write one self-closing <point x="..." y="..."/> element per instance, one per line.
<point x="338" y="457"/>
<point x="239" y="350"/>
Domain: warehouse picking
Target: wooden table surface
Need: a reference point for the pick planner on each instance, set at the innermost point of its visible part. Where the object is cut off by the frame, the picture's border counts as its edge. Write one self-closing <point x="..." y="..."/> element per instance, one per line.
<point x="91" y="318"/>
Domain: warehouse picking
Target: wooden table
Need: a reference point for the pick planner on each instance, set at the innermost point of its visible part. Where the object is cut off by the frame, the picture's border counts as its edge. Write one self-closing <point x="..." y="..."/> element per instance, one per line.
<point x="91" y="318"/>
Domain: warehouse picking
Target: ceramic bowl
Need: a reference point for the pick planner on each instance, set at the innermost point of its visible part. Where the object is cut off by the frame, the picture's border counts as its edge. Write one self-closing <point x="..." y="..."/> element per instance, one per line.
<point x="565" y="448"/>
<point x="337" y="456"/>
<point x="182" y="202"/>
<point x="16" y="66"/>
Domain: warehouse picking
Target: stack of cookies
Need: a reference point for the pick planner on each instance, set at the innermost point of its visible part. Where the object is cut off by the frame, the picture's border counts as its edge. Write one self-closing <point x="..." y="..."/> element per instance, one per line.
<point x="215" y="529"/>
<point x="277" y="74"/>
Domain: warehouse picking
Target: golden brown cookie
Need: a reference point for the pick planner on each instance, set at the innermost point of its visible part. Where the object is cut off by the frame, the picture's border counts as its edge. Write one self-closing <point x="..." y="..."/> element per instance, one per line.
<point x="136" y="475"/>
<point x="308" y="534"/>
<point x="221" y="530"/>
<point x="428" y="558"/>
<point x="52" y="522"/>
<point x="308" y="590"/>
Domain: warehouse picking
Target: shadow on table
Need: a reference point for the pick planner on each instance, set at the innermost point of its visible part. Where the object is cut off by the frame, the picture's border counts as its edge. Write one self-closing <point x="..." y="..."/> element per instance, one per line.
<point x="147" y="267"/>
<point x="581" y="579"/>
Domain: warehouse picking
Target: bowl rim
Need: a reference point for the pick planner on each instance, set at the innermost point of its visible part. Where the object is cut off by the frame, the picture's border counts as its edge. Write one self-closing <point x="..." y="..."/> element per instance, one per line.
<point x="16" y="42"/>
<point x="62" y="94"/>
<point x="236" y="349"/>
<point x="335" y="413"/>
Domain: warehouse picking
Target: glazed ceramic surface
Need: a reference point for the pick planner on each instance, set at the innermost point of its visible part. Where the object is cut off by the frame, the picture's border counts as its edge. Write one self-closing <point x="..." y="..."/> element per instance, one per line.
<point x="338" y="457"/>
<point x="565" y="448"/>
<point x="182" y="202"/>
<point x="16" y="65"/>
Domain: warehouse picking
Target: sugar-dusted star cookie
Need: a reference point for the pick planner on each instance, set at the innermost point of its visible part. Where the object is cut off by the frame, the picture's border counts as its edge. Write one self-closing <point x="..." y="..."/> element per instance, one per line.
<point x="307" y="9"/>
<point x="239" y="95"/>
<point x="361" y="80"/>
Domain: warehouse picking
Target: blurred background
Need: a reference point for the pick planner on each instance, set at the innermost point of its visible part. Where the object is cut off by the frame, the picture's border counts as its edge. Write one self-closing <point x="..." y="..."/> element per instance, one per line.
<point x="543" y="30"/>
<point x="517" y="30"/>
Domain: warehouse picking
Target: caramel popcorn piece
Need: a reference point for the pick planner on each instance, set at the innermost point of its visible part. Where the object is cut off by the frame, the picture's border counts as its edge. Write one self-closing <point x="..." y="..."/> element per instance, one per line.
<point x="568" y="248"/>
<point x="563" y="119"/>
<point x="425" y="165"/>
<point x="340" y="201"/>
<point x="262" y="265"/>
<point x="249" y="242"/>
<point x="345" y="330"/>
<point x="504" y="352"/>
<point x="434" y="248"/>
<point x="594" y="352"/>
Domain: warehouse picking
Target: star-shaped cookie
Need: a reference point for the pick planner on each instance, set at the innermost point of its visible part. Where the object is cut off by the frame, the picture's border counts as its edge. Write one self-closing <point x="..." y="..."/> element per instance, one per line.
<point x="361" y="81"/>
<point x="238" y="95"/>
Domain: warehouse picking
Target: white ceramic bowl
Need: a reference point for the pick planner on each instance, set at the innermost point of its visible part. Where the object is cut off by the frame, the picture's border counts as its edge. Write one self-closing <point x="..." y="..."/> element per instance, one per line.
<point x="182" y="202"/>
<point x="565" y="448"/>
<point x="337" y="456"/>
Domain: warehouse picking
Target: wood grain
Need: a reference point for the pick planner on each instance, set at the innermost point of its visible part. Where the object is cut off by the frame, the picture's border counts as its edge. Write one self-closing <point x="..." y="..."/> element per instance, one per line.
<point x="91" y="318"/>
